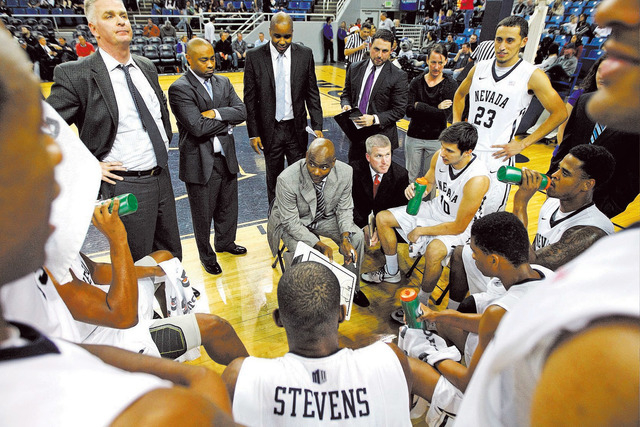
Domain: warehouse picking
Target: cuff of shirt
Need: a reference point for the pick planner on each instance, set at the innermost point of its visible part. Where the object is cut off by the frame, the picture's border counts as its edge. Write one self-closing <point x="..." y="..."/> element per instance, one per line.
<point x="376" y="120"/>
<point x="217" y="117"/>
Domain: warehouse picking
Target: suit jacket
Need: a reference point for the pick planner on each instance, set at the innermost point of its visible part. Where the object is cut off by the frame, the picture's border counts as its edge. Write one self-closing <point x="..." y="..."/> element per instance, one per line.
<point x="390" y="191"/>
<point x="388" y="97"/>
<point x="294" y="207"/>
<point x="613" y="196"/>
<point x="82" y="94"/>
<point x="188" y="98"/>
<point x="260" y="93"/>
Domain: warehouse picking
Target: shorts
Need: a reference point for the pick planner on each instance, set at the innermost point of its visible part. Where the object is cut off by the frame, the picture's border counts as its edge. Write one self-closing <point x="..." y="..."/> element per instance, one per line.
<point x="428" y="215"/>
<point x="470" y="345"/>
<point x="496" y="197"/>
<point x="444" y="404"/>
<point x="174" y="336"/>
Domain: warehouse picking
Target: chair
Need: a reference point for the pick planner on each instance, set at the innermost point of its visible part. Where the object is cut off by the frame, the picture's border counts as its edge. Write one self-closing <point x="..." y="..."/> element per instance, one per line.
<point x="575" y="11"/>
<point x="556" y="20"/>
<point x="460" y="40"/>
<point x="156" y="41"/>
<point x="12" y="3"/>
<point x="589" y="11"/>
<point x="561" y="40"/>
<point x="137" y="33"/>
<point x="31" y="21"/>
<point x="140" y="41"/>
<point x="136" y="50"/>
<point x="84" y="29"/>
<point x="595" y="54"/>
<point x="467" y="32"/>
<point x="592" y="3"/>
<point x="279" y="259"/>
<point x="151" y="52"/>
<point x="564" y="88"/>
<point x="47" y="23"/>
<point x="167" y="56"/>
<point x="32" y="11"/>
<point x="597" y="41"/>
<point x="169" y="40"/>
<point x="293" y="5"/>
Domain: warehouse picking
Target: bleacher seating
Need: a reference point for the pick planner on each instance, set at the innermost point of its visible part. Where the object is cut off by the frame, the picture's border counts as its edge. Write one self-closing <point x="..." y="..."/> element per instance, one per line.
<point x="155" y="41"/>
<point x="169" y="40"/>
<point x="151" y="52"/>
<point x="167" y="56"/>
<point x="136" y="49"/>
<point x="139" y="41"/>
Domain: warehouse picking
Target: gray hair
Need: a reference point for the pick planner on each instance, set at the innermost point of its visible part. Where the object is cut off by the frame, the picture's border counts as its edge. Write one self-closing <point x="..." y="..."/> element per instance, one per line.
<point x="377" y="141"/>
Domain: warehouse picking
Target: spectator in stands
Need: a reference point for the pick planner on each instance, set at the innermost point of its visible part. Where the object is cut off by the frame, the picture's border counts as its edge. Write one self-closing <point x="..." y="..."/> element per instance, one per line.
<point x="48" y="58"/>
<point x="385" y="23"/>
<point x="543" y="49"/>
<point x="565" y="66"/>
<point x="357" y="46"/>
<point x="4" y="10"/>
<point x="239" y="48"/>
<point x="327" y="41"/>
<point x="368" y="386"/>
<point x="342" y="35"/>
<point x="429" y="108"/>
<point x="430" y="41"/>
<point x="466" y="6"/>
<point x="450" y="44"/>
<point x="210" y="31"/>
<point x="577" y="43"/>
<point x="551" y="58"/>
<point x="473" y="42"/>
<point x="67" y="53"/>
<point x="151" y="29"/>
<point x="557" y="8"/>
<point x="460" y="60"/>
<point x="224" y="53"/>
<point x="584" y="29"/>
<point x="261" y="40"/>
<point x="229" y="8"/>
<point x="181" y="52"/>
<point x="167" y="30"/>
<point x="25" y="34"/>
<point x="570" y="27"/>
<point x="170" y="4"/>
<point x="83" y="47"/>
<point x="220" y="6"/>
<point x="185" y="21"/>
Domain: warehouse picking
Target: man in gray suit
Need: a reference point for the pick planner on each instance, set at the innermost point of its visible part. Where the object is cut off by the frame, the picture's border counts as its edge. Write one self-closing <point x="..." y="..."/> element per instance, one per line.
<point x="313" y="199"/>
<point x="206" y="109"/>
<point x="129" y="133"/>
<point x="279" y="81"/>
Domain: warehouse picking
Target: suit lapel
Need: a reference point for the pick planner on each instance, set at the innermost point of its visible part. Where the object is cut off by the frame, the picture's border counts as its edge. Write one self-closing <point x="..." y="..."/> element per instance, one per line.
<point x="295" y="69"/>
<point x="358" y="83"/>
<point x="150" y="78"/>
<point x="307" y="190"/>
<point x="103" y="81"/>
<point x="266" y="59"/>
<point x="384" y="75"/>
<point x="200" y="90"/>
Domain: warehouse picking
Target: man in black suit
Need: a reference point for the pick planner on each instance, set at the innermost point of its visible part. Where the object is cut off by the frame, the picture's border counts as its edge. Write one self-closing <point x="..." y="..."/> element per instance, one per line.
<point x="275" y="100"/>
<point x="129" y="133"/>
<point x="206" y="109"/>
<point x="378" y="183"/>
<point x="622" y="188"/>
<point x="379" y="90"/>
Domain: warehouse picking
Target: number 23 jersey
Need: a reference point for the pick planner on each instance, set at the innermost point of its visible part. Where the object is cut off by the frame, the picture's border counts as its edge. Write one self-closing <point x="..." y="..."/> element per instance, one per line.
<point x="497" y="104"/>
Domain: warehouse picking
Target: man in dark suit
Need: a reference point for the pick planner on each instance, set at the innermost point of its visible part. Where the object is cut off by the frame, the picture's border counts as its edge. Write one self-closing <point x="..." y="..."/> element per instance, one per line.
<point x="379" y="90"/>
<point x="622" y="188"/>
<point x="129" y="133"/>
<point x="313" y="199"/>
<point x="378" y="183"/>
<point x="279" y="80"/>
<point x="206" y="109"/>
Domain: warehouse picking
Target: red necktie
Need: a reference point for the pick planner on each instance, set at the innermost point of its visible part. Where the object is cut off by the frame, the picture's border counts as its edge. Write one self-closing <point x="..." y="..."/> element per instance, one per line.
<point x="376" y="184"/>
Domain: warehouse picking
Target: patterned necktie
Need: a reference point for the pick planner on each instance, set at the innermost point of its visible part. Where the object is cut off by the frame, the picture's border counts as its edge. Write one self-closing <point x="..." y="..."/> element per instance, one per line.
<point x="597" y="130"/>
<point x="364" y="101"/>
<point x="207" y="84"/>
<point x="319" y="204"/>
<point x="376" y="184"/>
<point x="280" y="87"/>
<point x="148" y="123"/>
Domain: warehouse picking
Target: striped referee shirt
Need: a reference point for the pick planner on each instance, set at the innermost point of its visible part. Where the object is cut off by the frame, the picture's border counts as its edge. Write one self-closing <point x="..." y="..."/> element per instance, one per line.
<point x="352" y="42"/>
<point x="485" y="50"/>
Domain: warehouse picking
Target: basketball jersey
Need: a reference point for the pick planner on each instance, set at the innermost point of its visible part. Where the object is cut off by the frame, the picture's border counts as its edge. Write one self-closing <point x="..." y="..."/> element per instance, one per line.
<point x="450" y="184"/>
<point x="552" y="224"/>
<point x="497" y="104"/>
<point x="364" y="387"/>
<point x="602" y="282"/>
<point x="50" y="382"/>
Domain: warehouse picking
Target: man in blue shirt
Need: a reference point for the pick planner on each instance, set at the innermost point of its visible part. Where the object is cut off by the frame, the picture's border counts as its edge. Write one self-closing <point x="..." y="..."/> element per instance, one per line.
<point x="327" y="38"/>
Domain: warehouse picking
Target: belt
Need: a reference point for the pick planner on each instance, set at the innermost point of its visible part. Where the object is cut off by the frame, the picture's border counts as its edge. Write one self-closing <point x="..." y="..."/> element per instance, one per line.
<point x="149" y="172"/>
<point x="284" y="122"/>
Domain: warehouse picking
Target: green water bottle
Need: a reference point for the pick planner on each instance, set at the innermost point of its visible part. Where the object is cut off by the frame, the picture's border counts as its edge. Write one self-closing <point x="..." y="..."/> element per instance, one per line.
<point x="513" y="175"/>
<point x="411" y="307"/>
<point x="128" y="204"/>
<point x="420" y="187"/>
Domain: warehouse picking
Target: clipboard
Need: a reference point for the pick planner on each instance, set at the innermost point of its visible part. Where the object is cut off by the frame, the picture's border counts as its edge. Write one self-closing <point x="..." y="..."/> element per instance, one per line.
<point x="355" y="135"/>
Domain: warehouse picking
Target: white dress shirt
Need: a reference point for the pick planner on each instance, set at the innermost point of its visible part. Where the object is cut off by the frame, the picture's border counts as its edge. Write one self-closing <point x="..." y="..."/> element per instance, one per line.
<point x="288" y="104"/>
<point x="364" y="83"/>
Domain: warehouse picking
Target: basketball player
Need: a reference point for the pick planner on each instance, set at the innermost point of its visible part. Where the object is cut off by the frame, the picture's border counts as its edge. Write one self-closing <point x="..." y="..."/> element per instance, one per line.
<point x="50" y="381"/>
<point x="500" y="246"/>
<point x="317" y="382"/>
<point x="499" y="92"/>
<point x="443" y="222"/>
<point x="583" y="339"/>
<point x="568" y="224"/>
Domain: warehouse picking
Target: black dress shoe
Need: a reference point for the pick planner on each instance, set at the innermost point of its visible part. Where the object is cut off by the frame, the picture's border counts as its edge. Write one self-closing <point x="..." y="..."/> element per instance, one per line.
<point x="360" y="299"/>
<point x="235" y="250"/>
<point x="212" y="268"/>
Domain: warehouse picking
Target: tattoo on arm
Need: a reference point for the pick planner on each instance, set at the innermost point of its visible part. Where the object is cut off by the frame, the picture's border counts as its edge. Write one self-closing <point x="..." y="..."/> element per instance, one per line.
<point x="573" y="242"/>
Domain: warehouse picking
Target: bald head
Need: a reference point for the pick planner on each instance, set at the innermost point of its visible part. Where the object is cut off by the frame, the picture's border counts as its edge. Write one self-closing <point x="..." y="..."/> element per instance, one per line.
<point x="196" y="44"/>
<point x="321" y="158"/>
<point x="322" y="146"/>
<point x="280" y="18"/>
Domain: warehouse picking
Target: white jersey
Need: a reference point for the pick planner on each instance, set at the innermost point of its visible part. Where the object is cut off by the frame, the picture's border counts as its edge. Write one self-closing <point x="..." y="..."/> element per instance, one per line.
<point x="50" y="382"/>
<point x="497" y="104"/>
<point x="364" y="387"/>
<point x="602" y="282"/>
<point x="552" y="223"/>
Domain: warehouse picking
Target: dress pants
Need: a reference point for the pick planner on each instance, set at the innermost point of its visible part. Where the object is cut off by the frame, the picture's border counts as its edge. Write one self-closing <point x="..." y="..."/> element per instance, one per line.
<point x="285" y="143"/>
<point x="216" y="201"/>
<point x="155" y="225"/>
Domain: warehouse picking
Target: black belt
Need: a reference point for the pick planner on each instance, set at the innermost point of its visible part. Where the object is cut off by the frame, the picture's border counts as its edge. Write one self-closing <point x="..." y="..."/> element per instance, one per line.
<point x="284" y="122"/>
<point x="149" y="172"/>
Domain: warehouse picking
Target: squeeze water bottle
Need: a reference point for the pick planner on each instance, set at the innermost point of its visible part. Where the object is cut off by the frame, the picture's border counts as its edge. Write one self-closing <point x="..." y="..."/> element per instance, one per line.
<point x="128" y="204"/>
<point x="420" y="187"/>
<point x="513" y="175"/>
<point x="411" y="307"/>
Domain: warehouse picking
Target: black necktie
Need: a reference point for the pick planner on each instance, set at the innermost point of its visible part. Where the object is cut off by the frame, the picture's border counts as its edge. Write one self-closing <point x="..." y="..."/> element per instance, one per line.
<point x="147" y="120"/>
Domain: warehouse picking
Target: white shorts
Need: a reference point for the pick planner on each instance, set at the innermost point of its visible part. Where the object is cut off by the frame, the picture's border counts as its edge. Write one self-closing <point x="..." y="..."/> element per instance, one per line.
<point x="426" y="217"/>
<point x="496" y="197"/>
<point x="444" y="404"/>
<point x="470" y="345"/>
<point x="477" y="281"/>
<point x="175" y="335"/>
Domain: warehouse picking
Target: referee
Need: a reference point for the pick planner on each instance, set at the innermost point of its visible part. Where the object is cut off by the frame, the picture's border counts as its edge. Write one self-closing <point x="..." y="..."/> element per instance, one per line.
<point x="356" y="47"/>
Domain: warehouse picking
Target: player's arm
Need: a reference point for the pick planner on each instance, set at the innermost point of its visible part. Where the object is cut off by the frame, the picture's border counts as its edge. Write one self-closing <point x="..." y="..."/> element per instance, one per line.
<point x="200" y="392"/>
<point x="472" y="196"/>
<point x="541" y="86"/>
<point x="119" y="307"/>
<point x="573" y="242"/>
<point x="430" y="176"/>
<point x="591" y="378"/>
<point x="461" y="94"/>
<point x="469" y="322"/>
<point x="230" y="375"/>
<point x="530" y="184"/>
<point x="460" y="375"/>
<point x="404" y="362"/>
